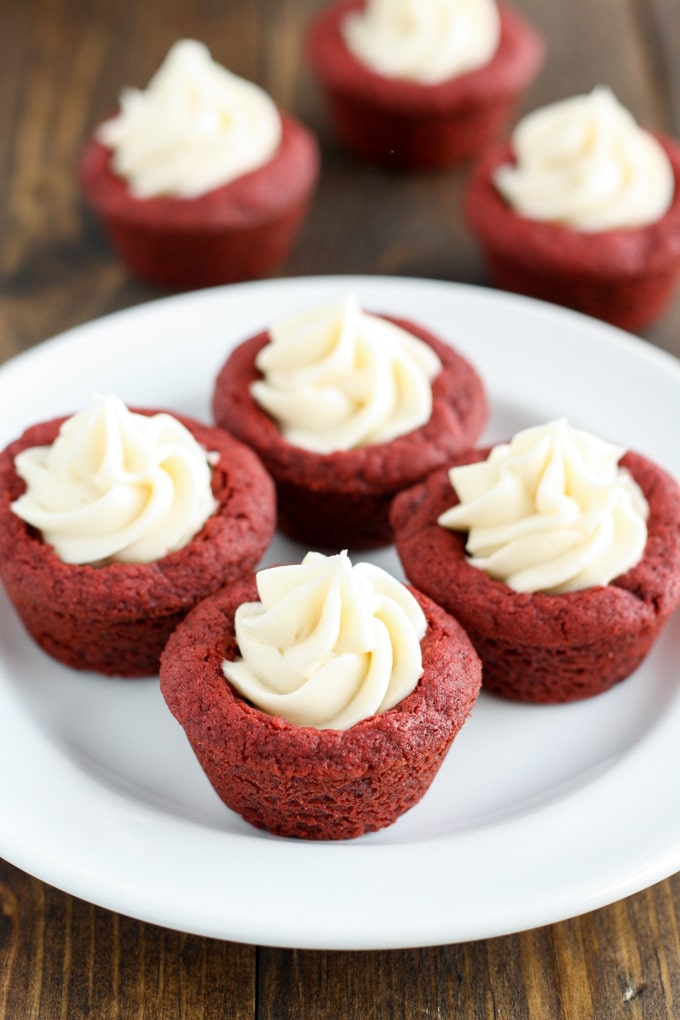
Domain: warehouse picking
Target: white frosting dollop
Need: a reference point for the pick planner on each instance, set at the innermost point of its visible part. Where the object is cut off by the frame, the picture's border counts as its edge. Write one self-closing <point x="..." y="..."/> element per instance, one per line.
<point x="116" y="485"/>
<point x="329" y="643"/>
<point x="196" y="127"/>
<point x="585" y="163"/>
<point x="550" y="511"/>
<point x="336" y="378"/>
<point x="425" y="41"/>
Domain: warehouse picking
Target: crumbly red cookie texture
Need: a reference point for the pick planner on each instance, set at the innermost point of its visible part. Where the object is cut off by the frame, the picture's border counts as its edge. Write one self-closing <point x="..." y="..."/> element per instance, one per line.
<point x="406" y="124"/>
<point x="624" y="277"/>
<point x="342" y="499"/>
<point x="538" y="647"/>
<point x="240" y="231"/>
<point x="305" y="782"/>
<point x="116" y="619"/>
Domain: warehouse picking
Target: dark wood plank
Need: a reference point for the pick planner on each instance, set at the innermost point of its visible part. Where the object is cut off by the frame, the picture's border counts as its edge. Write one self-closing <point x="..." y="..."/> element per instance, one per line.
<point x="63" y="959"/>
<point x="55" y="251"/>
<point x="659" y="35"/>
<point x="616" y="963"/>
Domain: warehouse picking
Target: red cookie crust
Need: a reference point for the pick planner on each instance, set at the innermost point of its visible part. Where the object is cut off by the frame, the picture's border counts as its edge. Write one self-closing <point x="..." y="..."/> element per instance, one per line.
<point x="240" y="231"/>
<point x="116" y="619"/>
<point x="537" y="647"/>
<point x="625" y="277"/>
<point x="301" y="781"/>
<point x="410" y="125"/>
<point x="342" y="499"/>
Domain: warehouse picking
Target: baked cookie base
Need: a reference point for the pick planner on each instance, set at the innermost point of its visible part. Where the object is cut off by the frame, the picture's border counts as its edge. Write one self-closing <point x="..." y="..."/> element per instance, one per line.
<point x="537" y="647"/>
<point x="116" y="619"/>
<point x="298" y="781"/>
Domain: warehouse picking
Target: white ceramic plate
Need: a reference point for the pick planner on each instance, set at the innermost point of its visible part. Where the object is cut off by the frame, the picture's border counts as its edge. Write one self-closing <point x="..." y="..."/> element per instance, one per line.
<point x="539" y="813"/>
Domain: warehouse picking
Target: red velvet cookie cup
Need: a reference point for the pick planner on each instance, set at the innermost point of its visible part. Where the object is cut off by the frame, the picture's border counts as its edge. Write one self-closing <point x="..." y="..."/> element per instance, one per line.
<point x="240" y="231"/>
<point x="625" y="277"/>
<point x="410" y="125"/>
<point x="342" y="499"/>
<point x="116" y="619"/>
<point x="538" y="647"/>
<point x="305" y="782"/>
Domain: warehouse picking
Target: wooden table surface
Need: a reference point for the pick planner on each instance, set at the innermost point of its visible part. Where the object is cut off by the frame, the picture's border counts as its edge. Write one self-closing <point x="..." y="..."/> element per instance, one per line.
<point x="62" y="63"/>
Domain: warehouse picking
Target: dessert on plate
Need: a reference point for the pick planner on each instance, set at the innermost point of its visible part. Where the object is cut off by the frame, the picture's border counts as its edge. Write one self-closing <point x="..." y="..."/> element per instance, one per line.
<point x="558" y="552"/>
<point x="346" y="408"/>
<point x="582" y="208"/>
<point x="200" y="179"/>
<point x="421" y="84"/>
<point x="114" y="523"/>
<point x="320" y="698"/>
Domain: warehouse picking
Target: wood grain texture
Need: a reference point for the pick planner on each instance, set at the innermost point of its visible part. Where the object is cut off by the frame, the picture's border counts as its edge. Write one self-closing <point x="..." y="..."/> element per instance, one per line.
<point x="615" y="963"/>
<point x="62" y="63"/>
<point x="63" y="959"/>
<point x="61" y="73"/>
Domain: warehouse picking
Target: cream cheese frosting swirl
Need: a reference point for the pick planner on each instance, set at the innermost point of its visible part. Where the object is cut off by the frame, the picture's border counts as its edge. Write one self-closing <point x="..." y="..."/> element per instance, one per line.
<point x="116" y="486"/>
<point x="196" y="127"/>
<point x="585" y="163"/>
<point x="336" y="378"/>
<point x="426" y="41"/>
<point x="329" y="643"/>
<point x="551" y="511"/>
